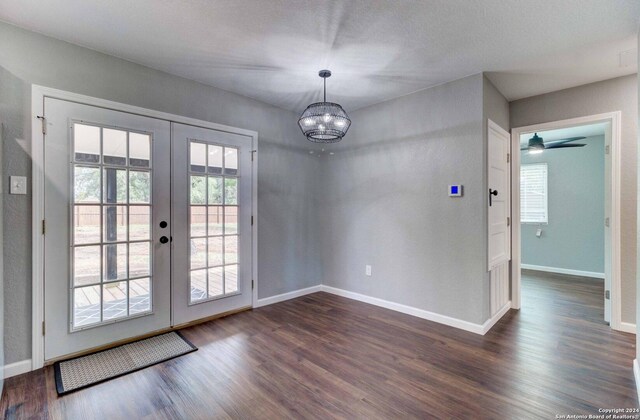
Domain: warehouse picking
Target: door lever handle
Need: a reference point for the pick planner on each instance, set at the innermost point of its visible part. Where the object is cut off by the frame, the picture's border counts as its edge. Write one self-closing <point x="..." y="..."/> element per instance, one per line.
<point x="492" y="193"/>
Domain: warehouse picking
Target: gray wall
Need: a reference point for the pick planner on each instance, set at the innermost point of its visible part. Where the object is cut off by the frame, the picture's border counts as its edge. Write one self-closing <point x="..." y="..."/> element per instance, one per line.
<point x="385" y="203"/>
<point x="288" y="245"/>
<point x="620" y="94"/>
<point x="574" y="237"/>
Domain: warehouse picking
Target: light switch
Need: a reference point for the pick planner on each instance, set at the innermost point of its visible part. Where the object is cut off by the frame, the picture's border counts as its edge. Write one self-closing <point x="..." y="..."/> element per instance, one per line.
<point x="18" y="185"/>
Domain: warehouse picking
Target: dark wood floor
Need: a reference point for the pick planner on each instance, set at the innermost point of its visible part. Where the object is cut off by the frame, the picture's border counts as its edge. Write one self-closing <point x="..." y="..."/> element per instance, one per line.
<point x="322" y="356"/>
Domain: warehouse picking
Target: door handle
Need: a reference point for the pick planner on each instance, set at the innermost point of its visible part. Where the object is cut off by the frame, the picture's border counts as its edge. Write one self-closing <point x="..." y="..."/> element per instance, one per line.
<point x="492" y="193"/>
<point x="164" y="239"/>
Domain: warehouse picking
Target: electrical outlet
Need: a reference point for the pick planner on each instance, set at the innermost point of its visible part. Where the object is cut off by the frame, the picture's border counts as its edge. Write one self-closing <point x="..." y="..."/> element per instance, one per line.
<point x="367" y="270"/>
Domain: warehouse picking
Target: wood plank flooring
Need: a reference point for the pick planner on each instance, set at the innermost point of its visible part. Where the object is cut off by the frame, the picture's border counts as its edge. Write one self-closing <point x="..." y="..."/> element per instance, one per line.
<point x="323" y="356"/>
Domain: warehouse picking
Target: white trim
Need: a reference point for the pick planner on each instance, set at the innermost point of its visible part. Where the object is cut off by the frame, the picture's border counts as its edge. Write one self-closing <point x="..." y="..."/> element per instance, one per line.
<point x="420" y="313"/>
<point x="557" y="270"/>
<point x="489" y="323"/>
<point x="17" y="368"/>
<point x="286" y="296"/>
<point x="636" y="375"/>
<point x="627" y="327"/>
<point x="614" y="118"/>
<point x="38" y="94"/>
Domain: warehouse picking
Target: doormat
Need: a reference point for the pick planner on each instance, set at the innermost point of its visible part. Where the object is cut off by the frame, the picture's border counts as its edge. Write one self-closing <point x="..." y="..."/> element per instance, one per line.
<point x="84" y="371"/>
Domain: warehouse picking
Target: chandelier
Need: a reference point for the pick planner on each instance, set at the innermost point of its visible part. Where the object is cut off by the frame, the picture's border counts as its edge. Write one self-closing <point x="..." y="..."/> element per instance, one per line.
<point x="324" y="122"/>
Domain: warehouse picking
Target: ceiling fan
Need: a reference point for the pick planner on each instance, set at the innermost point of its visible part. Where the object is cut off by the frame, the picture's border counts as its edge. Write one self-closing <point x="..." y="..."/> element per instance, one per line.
<point x="537" y="145"/>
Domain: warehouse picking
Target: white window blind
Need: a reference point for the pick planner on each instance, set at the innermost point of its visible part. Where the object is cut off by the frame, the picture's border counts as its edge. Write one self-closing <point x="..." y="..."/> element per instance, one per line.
<point x="533" y="193"/>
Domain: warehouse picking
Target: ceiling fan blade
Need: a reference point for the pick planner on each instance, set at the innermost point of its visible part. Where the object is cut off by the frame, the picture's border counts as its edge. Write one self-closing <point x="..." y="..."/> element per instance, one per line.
<point x="561" y="146"/>
<point x="548" y="144"/>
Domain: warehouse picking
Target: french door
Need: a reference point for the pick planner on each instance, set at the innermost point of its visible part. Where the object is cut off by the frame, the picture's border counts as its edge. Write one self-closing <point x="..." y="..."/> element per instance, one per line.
<point x="147" y="225"/>
<point x="211" y="202"/>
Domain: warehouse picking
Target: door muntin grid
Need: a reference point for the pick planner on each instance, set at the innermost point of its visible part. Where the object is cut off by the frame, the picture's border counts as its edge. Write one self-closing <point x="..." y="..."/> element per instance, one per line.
<point x="111" y="255"/>
<point x="213" y="178"/>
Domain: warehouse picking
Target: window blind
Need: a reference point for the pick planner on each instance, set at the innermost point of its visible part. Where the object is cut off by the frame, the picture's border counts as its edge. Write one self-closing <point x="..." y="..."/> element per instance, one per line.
<point x="533" y="193"/>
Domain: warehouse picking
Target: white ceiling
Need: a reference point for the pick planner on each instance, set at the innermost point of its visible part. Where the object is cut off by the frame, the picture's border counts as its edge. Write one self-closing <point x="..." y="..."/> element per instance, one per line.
<point x="562" y="133"/>
<point x="271" y="50"/>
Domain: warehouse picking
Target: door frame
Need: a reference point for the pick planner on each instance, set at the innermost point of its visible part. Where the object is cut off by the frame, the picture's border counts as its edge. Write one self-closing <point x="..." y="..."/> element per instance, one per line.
<point x="38" y="130"/>
<point x="614" y="118"/>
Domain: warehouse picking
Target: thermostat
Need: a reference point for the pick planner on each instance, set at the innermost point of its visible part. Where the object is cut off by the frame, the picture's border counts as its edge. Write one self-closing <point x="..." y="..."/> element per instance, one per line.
<point x="455" y="190"/>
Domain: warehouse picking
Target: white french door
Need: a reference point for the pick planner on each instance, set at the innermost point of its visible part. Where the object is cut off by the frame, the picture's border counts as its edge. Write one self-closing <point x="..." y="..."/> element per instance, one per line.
<point x="148" y="225"/>
<point x="106" y="268"/>
<point x="211" y="207"/>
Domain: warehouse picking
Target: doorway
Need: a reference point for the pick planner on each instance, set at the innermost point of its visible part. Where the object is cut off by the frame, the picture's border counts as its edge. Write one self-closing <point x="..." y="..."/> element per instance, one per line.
<point x="540" y="180"/>
<point x="147" y="223"/>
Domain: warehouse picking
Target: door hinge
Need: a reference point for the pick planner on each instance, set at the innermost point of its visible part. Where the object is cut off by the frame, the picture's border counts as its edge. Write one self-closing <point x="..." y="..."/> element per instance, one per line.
<point x="607" y="149"/>
<point x="508" y="157"/>
<point x="44" y="226"/>
<point x="43" y="120"/>
<point x="606" y="222"/>
<point x="251" y="284"/>
<point x="508" y="221"/>
<point x="43" y="328"/>
<point x="607" y="294"/>
<point x="252" y="220"/>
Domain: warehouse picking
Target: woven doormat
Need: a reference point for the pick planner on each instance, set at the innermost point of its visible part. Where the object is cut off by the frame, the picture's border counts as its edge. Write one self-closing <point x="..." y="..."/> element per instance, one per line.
<point x="85" y="371"/>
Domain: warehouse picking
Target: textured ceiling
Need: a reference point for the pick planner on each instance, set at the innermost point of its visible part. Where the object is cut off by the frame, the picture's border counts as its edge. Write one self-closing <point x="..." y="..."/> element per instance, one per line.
<point x="271" y="50"/>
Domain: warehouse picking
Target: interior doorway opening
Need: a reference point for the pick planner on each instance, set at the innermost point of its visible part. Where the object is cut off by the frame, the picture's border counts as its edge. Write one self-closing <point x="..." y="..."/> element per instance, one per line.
<point x="565" y="208"/>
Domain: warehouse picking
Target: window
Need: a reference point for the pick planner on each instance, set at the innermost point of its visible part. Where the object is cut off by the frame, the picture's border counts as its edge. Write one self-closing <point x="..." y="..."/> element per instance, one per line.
<point x="533" y="193"/>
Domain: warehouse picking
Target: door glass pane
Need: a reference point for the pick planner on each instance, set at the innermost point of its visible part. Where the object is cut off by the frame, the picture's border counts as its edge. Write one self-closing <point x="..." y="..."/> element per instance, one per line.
<point x="86" y="265"/>
<point x="139" y="187"/>
<point x="198" y="190"/>
<point x="139" y="259"/>
<point x="198" y="253"/>
<point x="215" y="159"/>
<point x="114" y="147"/>
<point x="230" y="220"/>
<point x="230" y="249"/>
<point x="139" y="296"/>
<point x="115" y="262"/>
<point x="139" y="150"/>
<point x="215" y="252"/>
<point x="230" y="191"/>
<point x="215" y="282"/>
<point x="114" y="300"/>
<point x="111" y="265"/>
<point x="198" y="280"/>
<point x="215" y="190"/>
<point x="115" y="185"/>
<point x="198" y="157"/>
<point x="215" y="220"/>
<point x="86" y="227"/>
<point x="139" y="223"/>
<point x="230" y="161"/>
<point x="86" y="306"/>
<point x="230" y="278"/>
<point x="86" y="142"/>
<point x="86" y="188"/>
<point x="115" y="223"/>
<point x="198" y="221"/>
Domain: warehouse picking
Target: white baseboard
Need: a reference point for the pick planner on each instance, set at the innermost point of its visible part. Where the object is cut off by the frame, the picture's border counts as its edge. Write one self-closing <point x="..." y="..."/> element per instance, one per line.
<point x="636" y="374"/>
<point x="17" y="368"/>
<point x="410" y="310"/>
<point x="627" y="327"/>
<point x="489" y="323"/>
<point x="556" y="270"/>
<point x="286" y="296"/>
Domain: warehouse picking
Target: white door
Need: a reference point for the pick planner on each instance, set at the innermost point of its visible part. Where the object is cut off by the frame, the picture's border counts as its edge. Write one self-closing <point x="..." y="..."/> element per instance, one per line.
<point x="499" y="192"/>
<point x="607" y="223"/>
<point x="212" y="232"/>
<point x="106" y="264"/>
